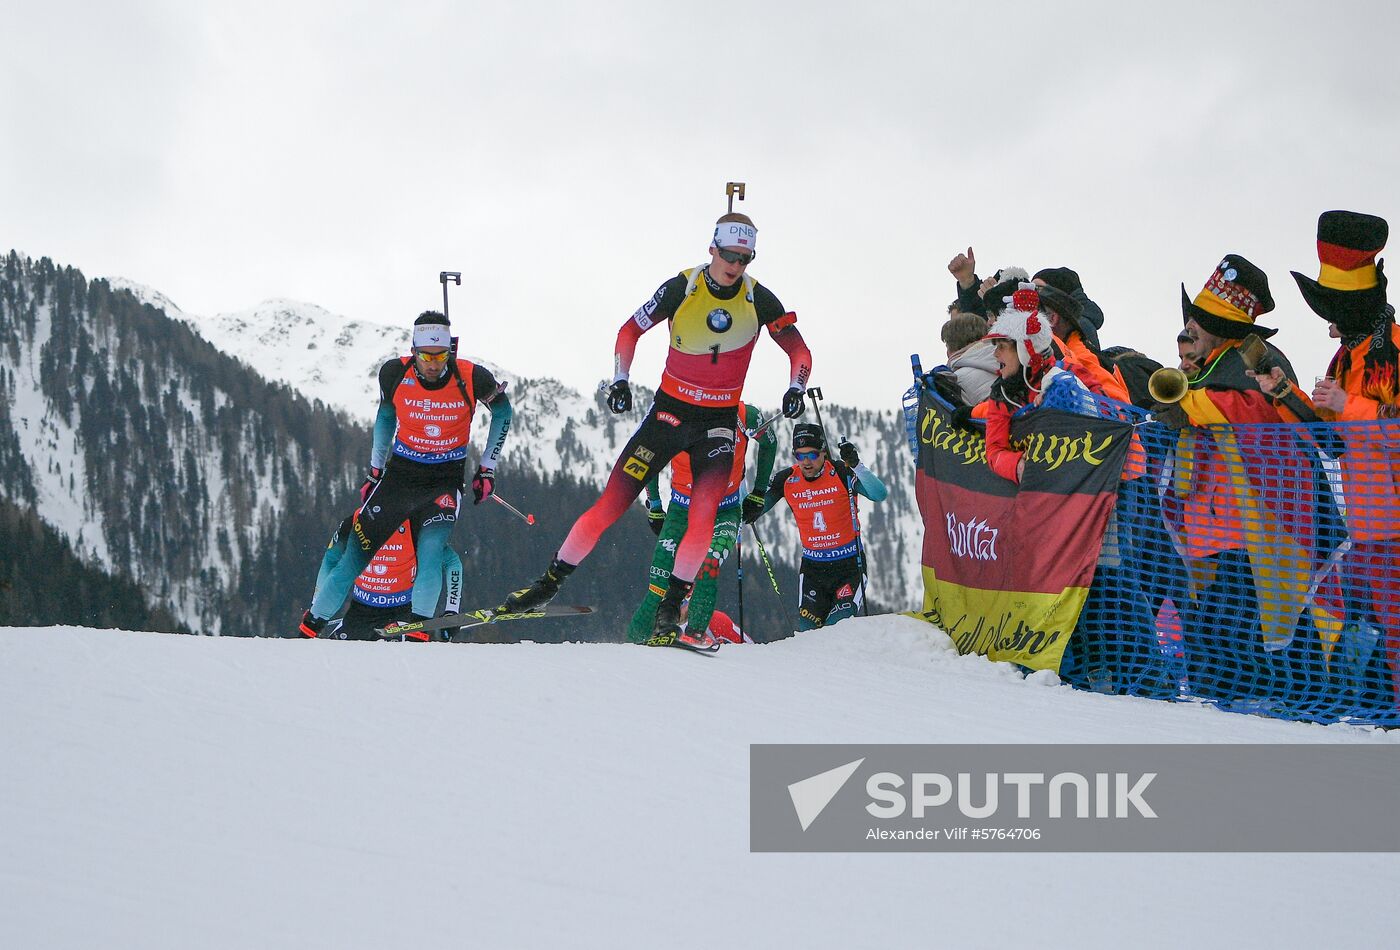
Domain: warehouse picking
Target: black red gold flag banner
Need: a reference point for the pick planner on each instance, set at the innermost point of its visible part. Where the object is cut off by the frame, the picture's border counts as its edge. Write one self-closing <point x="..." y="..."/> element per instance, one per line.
<point x="1007" y="568"/>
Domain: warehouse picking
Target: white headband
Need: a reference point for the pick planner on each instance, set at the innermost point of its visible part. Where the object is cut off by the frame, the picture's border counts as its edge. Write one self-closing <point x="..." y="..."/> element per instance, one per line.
<point x="735" y="234"/>
<point x="431" y="334"/>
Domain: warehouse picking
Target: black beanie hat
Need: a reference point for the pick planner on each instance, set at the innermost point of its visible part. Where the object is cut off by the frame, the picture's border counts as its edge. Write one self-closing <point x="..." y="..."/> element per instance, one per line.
<point x="808" y="435"/>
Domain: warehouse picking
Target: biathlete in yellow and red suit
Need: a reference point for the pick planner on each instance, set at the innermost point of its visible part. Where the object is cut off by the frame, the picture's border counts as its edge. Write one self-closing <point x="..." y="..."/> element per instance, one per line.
<point x="713" y="315"/>
<point x="418" y="462"/>
<point x="821" y="493"/>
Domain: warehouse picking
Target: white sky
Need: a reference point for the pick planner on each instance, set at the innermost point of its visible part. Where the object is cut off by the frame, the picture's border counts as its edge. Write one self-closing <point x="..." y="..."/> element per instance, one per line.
<point x="568" y="158"/>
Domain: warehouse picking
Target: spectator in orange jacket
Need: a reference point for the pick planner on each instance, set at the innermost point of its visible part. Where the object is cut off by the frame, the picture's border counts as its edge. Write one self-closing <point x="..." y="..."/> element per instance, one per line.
<point x="1362" y="385"/>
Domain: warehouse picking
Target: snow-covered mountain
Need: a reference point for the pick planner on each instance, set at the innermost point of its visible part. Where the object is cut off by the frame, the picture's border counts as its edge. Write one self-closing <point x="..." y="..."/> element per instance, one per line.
<point x="155" y="457"/>
<point x="320" y="354"/>
<point x="557" y="429"/>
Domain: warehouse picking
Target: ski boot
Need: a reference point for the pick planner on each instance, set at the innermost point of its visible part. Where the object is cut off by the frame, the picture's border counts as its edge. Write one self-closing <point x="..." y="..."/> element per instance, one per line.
<point x="668" y="632"/>
<point x="416" y="636"/>
<point x="311" y="626"/>
<point x="539" y="593"/>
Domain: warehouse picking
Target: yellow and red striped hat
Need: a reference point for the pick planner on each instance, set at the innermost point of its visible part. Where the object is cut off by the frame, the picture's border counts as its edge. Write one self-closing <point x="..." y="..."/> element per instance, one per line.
<point x="1350" y="288"/>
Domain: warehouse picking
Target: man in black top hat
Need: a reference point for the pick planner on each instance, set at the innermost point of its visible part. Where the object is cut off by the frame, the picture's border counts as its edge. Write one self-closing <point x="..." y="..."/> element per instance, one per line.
<point x="1229" y="487"/>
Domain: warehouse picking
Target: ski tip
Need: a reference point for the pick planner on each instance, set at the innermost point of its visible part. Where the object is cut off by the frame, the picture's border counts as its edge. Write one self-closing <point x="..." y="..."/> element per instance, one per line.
<point x="529" y="519"/>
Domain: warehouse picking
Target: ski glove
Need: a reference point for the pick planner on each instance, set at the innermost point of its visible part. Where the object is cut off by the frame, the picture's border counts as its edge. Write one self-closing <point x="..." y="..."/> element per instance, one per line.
<point x="753" y="507"/>
<point x="483" y="484"/>
<point x="793" y="404"/>
<point x="849" y="455"/>
<point x="656" y="517"/>
<point x="375" y="474"/>
<point x="620" y="396"/>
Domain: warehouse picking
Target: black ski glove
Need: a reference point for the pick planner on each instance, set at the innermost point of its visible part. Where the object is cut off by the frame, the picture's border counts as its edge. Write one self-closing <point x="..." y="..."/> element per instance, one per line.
<point x="753" y="507"/>
<point x="793" y="403"/>
<point x="962" y="418"/>
<point x="375" y="474"/>
<point x="849" y="455"/>
<point x="620" y="396"/>
<point x="483" y="484"/>
<point x="656" y="517"/>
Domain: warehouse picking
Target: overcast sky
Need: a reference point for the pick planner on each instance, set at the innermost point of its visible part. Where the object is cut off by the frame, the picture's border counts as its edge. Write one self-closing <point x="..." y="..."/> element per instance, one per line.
<point x="568" y="158"/>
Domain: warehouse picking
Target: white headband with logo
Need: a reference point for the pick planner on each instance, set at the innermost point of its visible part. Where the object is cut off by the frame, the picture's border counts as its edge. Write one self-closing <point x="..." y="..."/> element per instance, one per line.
<point x="735" y="234"/>
<point x="431" y="334"/>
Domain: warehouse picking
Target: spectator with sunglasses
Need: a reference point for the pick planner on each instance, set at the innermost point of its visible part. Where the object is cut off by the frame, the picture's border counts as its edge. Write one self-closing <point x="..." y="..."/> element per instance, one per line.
<point x="417" y="464"/>
<point x="822" y="495"/>
<point x="714" y="314"/>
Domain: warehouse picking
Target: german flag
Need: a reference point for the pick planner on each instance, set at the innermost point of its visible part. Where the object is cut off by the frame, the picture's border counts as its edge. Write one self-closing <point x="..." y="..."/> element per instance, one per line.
<point x="1007" y="568"/>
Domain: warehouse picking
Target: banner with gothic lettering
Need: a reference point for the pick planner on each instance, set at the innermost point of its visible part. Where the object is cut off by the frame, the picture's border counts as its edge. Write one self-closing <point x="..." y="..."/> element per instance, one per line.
<point x="1007" y="568"/>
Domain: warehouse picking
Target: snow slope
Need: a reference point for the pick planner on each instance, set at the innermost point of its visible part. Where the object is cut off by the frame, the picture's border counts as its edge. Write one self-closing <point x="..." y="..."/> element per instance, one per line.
<point x="164" y="791"/>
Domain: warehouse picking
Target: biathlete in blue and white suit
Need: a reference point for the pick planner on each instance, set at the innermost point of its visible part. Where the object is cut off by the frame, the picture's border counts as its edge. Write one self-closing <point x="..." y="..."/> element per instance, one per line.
<point x="418" y="462"/>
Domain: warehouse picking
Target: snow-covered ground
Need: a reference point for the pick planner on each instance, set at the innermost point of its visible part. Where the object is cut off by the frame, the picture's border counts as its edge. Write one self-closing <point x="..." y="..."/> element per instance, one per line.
<point x="164" y="791"/>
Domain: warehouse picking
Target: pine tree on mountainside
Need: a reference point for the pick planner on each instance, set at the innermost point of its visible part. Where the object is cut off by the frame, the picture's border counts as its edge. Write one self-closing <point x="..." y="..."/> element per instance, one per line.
<point x="42" y="583"/>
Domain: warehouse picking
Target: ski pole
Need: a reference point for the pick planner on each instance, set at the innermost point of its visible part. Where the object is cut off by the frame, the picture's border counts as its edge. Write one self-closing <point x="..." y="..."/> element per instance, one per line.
<point x="763" y="424"/>
<point x="815" y="394"/>
<point x="739" y="567"/>
<point x="763" y="553"/>
<point x="772" y="579"/>
<point x="860" y="544"/>
<point x="732" y="190"/>
<point x="528" y="519"/>
<point x="444" y="277"/>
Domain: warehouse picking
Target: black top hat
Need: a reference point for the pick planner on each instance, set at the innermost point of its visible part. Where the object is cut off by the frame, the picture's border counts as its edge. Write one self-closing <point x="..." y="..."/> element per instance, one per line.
<point x="1350" y="289"/>
<point x="1061" y="278"/>
<point x="1233" y="298"/>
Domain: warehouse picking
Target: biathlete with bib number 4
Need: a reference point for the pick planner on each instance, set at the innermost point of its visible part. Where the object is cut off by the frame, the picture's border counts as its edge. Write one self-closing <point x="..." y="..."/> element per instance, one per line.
<point x="714" y="314"/>
<point x="417" y="465"/>
<point x="822" y="495"/>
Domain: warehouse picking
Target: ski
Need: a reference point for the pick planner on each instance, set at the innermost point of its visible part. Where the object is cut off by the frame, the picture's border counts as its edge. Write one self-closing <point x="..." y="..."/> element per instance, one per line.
<point x="671" y="638"/>
<point x="476" y="618"/>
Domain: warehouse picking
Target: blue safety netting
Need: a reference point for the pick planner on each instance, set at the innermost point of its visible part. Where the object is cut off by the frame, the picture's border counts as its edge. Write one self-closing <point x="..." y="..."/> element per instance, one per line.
<point x="1252" y="567"/>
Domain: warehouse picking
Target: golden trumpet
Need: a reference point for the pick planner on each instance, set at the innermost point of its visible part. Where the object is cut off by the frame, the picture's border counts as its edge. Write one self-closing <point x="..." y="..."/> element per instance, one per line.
<point x="1168" y="385"/>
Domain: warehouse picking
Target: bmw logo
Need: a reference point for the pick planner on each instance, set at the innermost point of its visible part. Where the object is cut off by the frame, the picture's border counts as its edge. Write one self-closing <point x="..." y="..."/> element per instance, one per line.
<point x="719" y="320"/>
<point x="433" y="431"/>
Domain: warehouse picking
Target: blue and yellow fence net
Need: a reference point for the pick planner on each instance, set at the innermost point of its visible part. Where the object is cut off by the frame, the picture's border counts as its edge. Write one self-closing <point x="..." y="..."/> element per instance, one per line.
<point x="1253" y="567"/>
